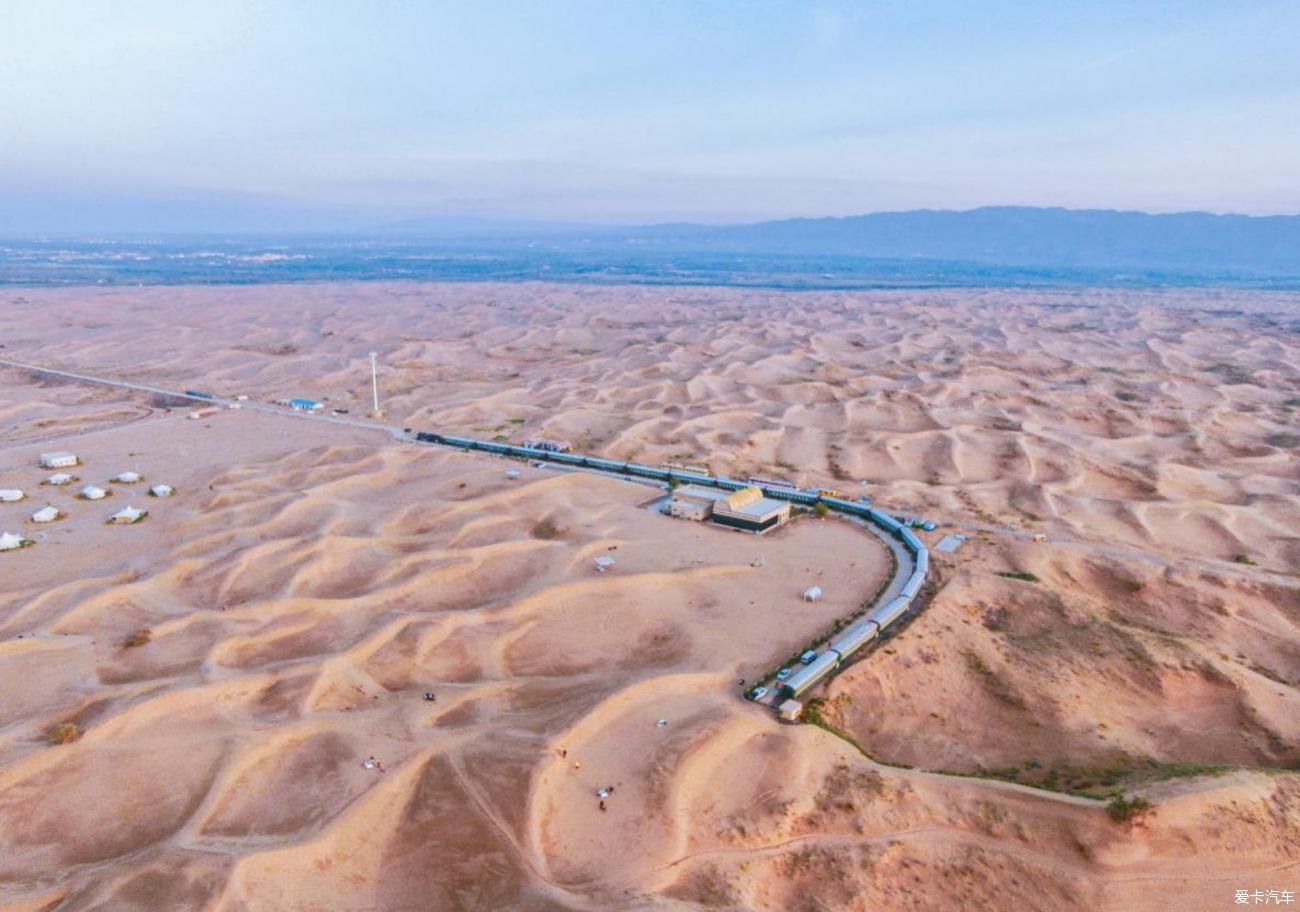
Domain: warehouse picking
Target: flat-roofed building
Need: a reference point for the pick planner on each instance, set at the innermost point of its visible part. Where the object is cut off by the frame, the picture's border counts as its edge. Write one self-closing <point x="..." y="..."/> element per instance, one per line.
<point x="59" y="460"/>
<point x="694" y="502"/>
<point x="748" y="509"/>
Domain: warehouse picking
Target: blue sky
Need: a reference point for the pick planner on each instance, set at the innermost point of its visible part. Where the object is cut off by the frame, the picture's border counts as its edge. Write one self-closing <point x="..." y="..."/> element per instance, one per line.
<point x="632" y="112"/>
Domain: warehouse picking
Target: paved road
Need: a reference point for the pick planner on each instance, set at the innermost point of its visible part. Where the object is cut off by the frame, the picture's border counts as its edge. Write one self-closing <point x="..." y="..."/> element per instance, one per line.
<point x="200" y="401"/>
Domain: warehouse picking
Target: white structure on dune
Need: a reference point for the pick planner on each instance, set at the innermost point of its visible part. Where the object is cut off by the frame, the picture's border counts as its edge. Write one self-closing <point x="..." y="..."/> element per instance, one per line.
<point x="59" y="478"/>
<point x="11" y="495"/>
<point x="9" y="541"/>
<point x="60" y="460"/>
<point x="603" y="563"/>
<point x="812" y="594"/>
<point x="162" y="490"/>
<point x="128" y="477"/>
<point x="127" y="515"/>
<point x="90" y="492"/>
<point x="46" y="514"/>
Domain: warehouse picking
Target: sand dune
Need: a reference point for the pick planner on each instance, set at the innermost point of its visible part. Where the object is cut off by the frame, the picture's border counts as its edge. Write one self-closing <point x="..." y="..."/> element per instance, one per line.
<point x="309" y="583"/>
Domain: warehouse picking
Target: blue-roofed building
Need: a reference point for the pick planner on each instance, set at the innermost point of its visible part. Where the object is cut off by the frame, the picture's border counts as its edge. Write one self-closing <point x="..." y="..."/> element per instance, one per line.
<point x="305" y="405"/>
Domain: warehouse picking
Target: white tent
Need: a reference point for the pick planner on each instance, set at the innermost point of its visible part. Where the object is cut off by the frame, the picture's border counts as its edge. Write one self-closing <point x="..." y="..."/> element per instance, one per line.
<point x="59" y="478"/>
<point x="90" y="492"/>
<point x="604" y="562"/>
<point x="162" y="490"/>
<point x="812" y="593"/>
<point x="128" y="515"/>
<point x="10" y="495"/>
<point x="9" y="541"/>
<point x="128" y="477"/>
<point x="60" y="460"/>
<point x="46" y="514"/>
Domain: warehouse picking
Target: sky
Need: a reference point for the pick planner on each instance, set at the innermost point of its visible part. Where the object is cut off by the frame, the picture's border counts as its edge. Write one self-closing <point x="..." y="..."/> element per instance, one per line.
<point x="319" y="113"/>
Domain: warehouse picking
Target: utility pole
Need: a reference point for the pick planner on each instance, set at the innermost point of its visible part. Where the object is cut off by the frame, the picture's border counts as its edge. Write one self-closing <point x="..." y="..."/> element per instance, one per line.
<point x="374" y="383"/>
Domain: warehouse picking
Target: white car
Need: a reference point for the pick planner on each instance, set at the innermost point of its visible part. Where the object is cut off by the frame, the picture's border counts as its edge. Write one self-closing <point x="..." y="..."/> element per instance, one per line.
<point x="783" y="674"/>
<point x="758" y="693"/>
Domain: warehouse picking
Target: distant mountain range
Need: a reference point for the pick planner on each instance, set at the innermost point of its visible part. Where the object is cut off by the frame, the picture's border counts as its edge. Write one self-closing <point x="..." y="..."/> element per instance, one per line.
<point x="1011" y="236"/>
<point x="977" y="245"/>
<point x="1198" y="242"/>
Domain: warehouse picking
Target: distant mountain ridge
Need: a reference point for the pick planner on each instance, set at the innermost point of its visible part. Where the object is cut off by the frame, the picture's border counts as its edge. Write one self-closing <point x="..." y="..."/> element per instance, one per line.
<point x="1013" y="236"/>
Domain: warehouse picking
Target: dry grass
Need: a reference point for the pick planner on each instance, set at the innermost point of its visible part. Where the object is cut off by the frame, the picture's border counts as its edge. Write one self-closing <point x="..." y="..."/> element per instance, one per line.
<point x="546" y="529"/>
<point x="63" y="733"/>
<point x="140" y="637"/>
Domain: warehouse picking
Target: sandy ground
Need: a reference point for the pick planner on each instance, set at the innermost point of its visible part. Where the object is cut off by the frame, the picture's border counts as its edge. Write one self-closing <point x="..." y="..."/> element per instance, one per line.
<point x="309" y="583"/>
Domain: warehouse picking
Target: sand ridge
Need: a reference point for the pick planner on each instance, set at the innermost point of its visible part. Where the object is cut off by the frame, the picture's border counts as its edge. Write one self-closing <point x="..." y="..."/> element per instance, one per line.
<point x="308" y="584"/>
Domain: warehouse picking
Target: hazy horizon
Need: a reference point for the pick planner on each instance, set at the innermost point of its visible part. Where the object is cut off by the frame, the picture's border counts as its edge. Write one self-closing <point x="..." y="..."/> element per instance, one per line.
<point x="299" y="117"/>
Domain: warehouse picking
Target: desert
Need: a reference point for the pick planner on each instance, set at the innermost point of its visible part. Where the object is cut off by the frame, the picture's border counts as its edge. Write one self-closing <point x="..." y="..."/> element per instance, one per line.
<point x="1096" y="705"/>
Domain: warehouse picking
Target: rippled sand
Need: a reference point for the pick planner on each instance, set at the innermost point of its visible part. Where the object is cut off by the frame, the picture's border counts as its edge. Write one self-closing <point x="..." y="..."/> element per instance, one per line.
<point x="311" y="582"/>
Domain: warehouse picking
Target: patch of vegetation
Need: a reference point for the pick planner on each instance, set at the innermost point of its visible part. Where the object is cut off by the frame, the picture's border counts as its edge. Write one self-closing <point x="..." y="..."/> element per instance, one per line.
<point x="546" y="529"/>
<point x="1293" y="402"/>
<point x="140" y="637"/>
<point x="63" y="733"/>
<point x="1021" y="575"/>
<point x="516" y="420"/>
<point x="999" y="689"/>
<point x="1286" y="441"/>
<point x="821" y="509"/>
<point x="1125" y="396"/>
<point x="812" y="714"/>
<point x="1244" y="559"/>
<point x="1124" y="810"/>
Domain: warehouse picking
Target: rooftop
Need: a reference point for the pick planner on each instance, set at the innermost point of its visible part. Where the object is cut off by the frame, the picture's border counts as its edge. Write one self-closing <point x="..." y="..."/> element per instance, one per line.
<point x="761" y="507"/>
<point x="700" y="492"/>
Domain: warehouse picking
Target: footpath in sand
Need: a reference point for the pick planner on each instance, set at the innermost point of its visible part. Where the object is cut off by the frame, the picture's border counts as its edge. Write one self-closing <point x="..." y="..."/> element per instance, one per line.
<point x="298" y="609"/>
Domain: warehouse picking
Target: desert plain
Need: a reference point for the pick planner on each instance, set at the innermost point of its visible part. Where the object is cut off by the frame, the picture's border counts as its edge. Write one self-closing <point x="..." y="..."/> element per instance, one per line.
<point x="223" y="707"/>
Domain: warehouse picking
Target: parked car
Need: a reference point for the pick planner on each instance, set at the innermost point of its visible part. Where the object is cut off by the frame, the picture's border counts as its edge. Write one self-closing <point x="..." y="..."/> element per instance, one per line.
<point x="758" y="693"/>
<point x="808" y="656"/>
<point x="783" y="674"/>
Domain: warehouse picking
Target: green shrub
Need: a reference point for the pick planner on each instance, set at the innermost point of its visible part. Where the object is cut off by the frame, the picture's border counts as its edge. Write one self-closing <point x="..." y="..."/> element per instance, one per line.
<point x="1018" y="575"/>
<point x="1123" y="810"/>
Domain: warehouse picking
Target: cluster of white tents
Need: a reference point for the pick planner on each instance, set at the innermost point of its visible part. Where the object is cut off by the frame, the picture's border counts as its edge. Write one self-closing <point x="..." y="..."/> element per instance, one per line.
<point x="10" y="541"/>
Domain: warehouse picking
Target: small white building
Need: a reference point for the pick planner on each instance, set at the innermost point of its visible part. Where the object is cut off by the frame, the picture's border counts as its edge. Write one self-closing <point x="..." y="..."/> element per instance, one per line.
<point x="58" y="460"/>
<point x="162" y="490"/>
<point x="46" y="514"/>
<point x="128" y="477"/>
<point x="10" y="541"/>
<point x="812" y="594"/>
<point x="603" y="563"/>
<point x="694" y="502"/>
<point x="59" y="478"/>
<point x="90" y="492"/>
<point x="127" y="516"/>
<point x="11" y="495"/>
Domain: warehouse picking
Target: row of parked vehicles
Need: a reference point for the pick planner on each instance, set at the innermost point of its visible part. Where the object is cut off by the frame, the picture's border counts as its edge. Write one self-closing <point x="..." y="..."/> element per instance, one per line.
<point x="815" y="665"/>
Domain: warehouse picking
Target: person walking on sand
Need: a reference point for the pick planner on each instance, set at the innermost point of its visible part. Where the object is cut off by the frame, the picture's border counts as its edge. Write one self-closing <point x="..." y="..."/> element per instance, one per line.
<point x="602" y="804"/>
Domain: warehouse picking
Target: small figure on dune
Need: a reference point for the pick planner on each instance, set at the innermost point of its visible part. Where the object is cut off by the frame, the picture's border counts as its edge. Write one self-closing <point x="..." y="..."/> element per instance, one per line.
<point x="430" y="697"/>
